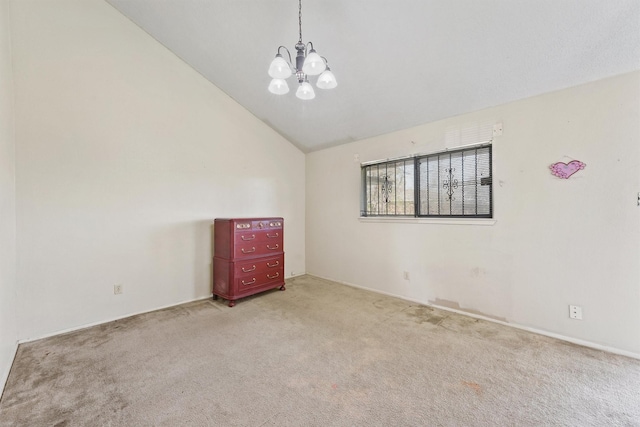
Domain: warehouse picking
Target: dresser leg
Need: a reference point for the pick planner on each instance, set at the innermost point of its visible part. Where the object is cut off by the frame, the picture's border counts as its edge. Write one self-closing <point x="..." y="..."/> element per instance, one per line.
<point x="231" y="303"/>
<point x="215" y="297"/>
<point x="282" y="288"/>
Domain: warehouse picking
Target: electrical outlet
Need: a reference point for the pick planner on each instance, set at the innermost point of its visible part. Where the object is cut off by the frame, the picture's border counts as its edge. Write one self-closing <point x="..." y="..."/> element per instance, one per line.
<point x="575" y="312"/>
<point x="117" y="289"/>
<point x="405" y="275"/>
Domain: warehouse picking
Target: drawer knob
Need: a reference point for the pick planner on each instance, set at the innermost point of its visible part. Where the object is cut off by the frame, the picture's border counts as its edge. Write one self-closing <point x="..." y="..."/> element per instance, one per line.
<point x="245" y="238"/>
<point x="273" y="236"/>
<point x="245" y="270"/>
<point x="274" y="248"/>
<point x="274" y="276"/>
<point x="253" y="249"/>
<point x="249" y="283"/>
<point x="274" y="265"/>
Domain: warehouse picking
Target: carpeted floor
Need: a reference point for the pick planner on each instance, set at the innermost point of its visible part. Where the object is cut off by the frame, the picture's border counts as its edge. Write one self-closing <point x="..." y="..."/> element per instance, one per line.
<point x="318" y="354"/>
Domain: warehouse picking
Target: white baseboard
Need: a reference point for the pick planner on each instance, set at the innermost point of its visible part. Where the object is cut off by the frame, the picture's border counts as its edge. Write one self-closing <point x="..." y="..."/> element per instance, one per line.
<point x="88" y="325"/>
<point x="112" y="319"/>
<point x="572" y="340"/>
<point x="7" y="370"/>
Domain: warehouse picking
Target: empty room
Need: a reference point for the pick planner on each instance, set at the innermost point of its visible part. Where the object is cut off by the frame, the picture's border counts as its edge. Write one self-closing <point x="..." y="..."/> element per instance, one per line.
<point x="319" y="213"/>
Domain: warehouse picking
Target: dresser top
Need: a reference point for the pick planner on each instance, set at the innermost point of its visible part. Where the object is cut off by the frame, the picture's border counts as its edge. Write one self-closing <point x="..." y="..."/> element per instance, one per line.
<point x="251" y="219"/>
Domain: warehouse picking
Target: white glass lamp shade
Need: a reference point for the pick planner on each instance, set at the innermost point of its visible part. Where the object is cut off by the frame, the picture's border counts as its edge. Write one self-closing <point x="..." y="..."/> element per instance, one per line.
<point x="278" y="87"/>
<point x="327" y="80"/>
<point x="279" y="68"/>
<point x="313" y="64"/>
<point x="305" y="91"/>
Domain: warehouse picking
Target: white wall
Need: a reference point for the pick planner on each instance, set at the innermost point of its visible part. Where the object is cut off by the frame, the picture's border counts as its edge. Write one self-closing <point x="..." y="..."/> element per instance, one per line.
<point x="125" y="155"/>
<point x="8" y="319"/>
<point x="555" y="242"/>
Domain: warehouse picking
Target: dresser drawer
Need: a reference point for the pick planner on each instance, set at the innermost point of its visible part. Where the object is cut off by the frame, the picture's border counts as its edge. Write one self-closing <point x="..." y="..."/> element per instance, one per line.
<point x="254" y="249"/>
<point x="258" y="266"/>
<point x="266" y="223"/>
<point x="261" y="236"/>
<point x="260" y="279"/>
<point x="257" y="224"/>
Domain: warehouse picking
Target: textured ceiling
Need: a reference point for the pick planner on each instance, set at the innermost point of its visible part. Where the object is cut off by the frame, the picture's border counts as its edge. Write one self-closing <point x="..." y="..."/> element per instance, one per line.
<point x="398" y="63"/>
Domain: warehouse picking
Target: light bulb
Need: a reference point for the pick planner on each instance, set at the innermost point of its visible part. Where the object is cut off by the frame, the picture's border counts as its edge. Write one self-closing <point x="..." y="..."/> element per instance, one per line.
<point x="278" y="87"/>
<point x="305" y="91"/>
<point x="327" y="80"/>
<point x="313" y="64"/>
<point x="279" y="68"/>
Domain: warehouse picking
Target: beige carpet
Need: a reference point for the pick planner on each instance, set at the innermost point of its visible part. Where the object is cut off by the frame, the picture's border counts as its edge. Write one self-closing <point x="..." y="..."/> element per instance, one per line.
<point x="318" y="354"/>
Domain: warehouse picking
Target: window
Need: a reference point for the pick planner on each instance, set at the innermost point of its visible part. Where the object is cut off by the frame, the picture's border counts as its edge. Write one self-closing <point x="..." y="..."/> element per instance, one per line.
<point x="389" y="188"/>
<point x="454" y="183"/>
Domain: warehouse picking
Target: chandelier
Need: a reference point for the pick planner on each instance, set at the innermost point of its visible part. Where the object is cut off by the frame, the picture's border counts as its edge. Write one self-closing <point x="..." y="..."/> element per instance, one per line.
<point x="308" y="63"/>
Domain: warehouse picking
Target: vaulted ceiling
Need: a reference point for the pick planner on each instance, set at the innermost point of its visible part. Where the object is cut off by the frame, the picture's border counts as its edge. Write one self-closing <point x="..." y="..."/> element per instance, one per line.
<point x="398" y="63"/>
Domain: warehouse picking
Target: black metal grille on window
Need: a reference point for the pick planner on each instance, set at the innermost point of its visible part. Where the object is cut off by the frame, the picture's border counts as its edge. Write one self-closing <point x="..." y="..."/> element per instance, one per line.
<point x="389" y="188"/>
<point x="454" y="183"/>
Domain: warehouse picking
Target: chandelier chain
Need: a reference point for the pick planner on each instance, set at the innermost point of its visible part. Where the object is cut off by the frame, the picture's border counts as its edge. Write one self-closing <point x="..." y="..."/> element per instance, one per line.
<point x="300" y="20"/>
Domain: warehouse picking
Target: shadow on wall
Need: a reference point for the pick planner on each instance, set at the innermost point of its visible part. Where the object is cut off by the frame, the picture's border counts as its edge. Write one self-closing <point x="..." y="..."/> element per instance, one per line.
<point x="204" y="255"/>
<point x="183" y="253"/>
<point x="212" y="233"/>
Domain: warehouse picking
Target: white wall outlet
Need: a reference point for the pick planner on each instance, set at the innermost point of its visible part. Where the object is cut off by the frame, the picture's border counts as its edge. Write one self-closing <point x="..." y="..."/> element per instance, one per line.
<point x="117" y="289"/>
<point x="575" y="312"/>
<point x="405" y="275"/>
<point x="356" y="158"/>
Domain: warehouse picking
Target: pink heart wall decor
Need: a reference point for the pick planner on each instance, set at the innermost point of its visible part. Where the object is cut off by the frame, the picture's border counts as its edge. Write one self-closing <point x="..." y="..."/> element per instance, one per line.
<point x="565" y="170"/>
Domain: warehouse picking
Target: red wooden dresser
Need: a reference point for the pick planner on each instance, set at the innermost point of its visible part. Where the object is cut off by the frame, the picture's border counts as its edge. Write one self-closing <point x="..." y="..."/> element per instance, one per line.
<point x="248" y="257"/>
